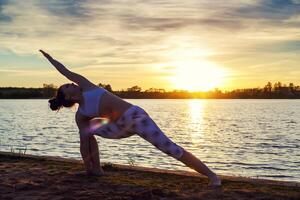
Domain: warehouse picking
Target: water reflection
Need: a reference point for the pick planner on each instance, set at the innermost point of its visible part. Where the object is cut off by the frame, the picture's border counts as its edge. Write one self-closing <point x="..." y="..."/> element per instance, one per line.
<point x="196" y="119"/>
<point x="258" y="138"/>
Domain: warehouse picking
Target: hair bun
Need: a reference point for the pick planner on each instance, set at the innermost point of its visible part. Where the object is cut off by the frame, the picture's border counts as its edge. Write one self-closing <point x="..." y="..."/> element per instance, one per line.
<point x="54" y="104"/>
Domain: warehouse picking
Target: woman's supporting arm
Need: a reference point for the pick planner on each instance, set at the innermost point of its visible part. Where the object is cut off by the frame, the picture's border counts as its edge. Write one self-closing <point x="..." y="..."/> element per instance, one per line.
<point x="95" y="157"/>
<point x="83" y="126"/>
<point x="85" y="153"/>
<point x="76" y="78"/>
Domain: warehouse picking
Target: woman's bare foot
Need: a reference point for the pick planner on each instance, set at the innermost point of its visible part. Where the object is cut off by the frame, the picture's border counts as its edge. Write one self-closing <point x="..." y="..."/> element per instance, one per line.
<point x="93" y="172"/>
<point x="96" y="172"/>
<point x="81" y="173"/>
<point x="214" y="181"/>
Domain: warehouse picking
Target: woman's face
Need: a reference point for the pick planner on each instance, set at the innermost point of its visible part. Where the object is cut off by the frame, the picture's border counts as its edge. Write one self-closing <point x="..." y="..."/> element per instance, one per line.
<point x="70" y="90"/>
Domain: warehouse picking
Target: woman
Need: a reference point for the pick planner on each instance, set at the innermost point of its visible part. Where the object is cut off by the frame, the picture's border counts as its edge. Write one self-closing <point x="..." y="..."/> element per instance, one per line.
<point x="124" y="118"/>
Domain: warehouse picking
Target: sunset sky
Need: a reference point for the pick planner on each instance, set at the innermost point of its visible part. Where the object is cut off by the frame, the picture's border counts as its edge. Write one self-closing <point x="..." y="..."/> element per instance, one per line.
<point x="175" y="44"/>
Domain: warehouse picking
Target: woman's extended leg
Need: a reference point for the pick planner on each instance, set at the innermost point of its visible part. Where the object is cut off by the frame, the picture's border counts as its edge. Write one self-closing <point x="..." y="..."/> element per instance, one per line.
<point x="193" y="162"/>
<point x="145" y="127"/>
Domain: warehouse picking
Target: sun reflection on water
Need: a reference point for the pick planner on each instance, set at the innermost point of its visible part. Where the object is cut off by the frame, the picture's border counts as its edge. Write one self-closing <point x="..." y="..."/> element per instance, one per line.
<point x="196" y="115"/>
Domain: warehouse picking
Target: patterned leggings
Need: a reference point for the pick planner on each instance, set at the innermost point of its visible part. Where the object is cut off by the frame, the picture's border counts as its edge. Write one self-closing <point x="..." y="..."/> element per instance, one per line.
<point x="136" y="121"/>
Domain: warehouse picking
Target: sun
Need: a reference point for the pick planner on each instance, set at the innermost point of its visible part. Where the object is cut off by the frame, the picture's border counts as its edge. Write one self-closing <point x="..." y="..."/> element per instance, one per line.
<point x="197" y="75"/>
<point x="189" y="68"/>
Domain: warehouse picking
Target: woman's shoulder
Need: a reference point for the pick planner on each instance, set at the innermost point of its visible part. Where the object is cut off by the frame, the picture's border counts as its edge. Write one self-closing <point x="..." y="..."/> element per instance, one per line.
<point x="90" y="88"/>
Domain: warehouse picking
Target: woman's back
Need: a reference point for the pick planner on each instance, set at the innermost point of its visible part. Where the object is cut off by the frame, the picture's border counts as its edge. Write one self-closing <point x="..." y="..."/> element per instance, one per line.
<point x="91" y="99"/>
<point x="112" y="106"/>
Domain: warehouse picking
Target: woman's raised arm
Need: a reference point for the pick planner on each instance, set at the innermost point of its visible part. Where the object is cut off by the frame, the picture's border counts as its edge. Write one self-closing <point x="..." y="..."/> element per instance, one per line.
<point x="76" y="78"/>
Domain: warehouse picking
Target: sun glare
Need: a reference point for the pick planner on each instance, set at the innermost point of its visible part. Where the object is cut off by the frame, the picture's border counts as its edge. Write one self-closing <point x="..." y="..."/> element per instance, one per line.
<point x="191" y="70"/>
<point x="197" y="75"/>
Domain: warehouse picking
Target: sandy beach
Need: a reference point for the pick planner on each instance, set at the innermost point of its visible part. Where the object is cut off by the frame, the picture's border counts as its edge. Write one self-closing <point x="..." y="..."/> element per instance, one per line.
<point x="36" y="177"/>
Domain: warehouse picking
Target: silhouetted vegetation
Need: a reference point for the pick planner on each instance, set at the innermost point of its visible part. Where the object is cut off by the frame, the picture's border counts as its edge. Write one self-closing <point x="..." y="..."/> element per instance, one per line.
<point x="47" y="91"/>
<point x="106" y="86"/>
<point x="269" y="91"/>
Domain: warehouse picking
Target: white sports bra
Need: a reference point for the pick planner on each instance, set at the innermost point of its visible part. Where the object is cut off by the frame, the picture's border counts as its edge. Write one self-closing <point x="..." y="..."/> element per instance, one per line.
<point x="90" y="107"/>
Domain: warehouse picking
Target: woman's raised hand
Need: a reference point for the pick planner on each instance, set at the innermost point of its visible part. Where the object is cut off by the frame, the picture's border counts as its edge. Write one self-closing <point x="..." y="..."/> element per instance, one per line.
<point x="46" y="55"/>
<point x="76" y="78"/>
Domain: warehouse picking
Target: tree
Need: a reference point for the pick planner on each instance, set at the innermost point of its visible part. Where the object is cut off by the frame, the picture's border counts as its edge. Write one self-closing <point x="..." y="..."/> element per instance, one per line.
<point x="156" y="90"/>
<point x="268" y="87"/>
<point x="134" y="89"/>
<point x="49" y="90"/>
<point x="45" y="85"/>
<point x="106" y="86"/>
<point x="291" y="87"/>
<point x="277" y="86"/>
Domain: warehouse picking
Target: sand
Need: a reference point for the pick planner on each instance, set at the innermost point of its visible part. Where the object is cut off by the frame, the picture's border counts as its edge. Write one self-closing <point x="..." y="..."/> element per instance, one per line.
<point x="35" y="177"/>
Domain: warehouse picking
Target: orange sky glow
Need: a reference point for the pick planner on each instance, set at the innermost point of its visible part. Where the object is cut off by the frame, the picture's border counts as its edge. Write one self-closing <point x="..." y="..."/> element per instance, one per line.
<point x="191" y="45"/>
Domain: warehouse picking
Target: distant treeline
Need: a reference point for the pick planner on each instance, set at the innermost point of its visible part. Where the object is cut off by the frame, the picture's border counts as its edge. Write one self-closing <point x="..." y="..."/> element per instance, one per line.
<point x="269" y="91"/>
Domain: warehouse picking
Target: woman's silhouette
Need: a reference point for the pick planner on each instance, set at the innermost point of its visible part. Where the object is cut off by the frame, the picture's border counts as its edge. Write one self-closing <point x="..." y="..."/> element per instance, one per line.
<point x="124" y="118"/>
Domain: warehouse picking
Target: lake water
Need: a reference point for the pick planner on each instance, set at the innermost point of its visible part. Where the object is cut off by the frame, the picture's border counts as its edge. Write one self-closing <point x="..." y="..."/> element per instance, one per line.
<point x="253" y="138"/>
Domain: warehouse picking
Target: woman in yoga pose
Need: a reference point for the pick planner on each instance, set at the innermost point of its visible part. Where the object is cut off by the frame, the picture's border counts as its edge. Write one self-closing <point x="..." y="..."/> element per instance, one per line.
<point x="124" y="118"/>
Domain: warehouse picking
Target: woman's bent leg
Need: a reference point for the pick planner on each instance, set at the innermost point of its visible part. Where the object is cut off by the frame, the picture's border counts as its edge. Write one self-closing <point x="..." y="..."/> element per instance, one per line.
<point x="111" y="131"/>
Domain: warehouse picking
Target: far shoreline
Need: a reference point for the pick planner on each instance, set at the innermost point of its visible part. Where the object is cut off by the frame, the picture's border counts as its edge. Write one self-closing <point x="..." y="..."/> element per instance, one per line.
<point x="171" y="98"/>
<point x="269" y="91"/>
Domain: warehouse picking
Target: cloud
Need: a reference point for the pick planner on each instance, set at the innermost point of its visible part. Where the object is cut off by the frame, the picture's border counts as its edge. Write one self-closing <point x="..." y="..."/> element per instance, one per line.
<point x="3" y="16"/>
<point x="85" y="30"/>
<point x="22" y="72"/>
<point x="167" y="23"/>
<point x="66" y="8"/>
<point x="270" y="9"/>
<point x="291" y="46"/>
